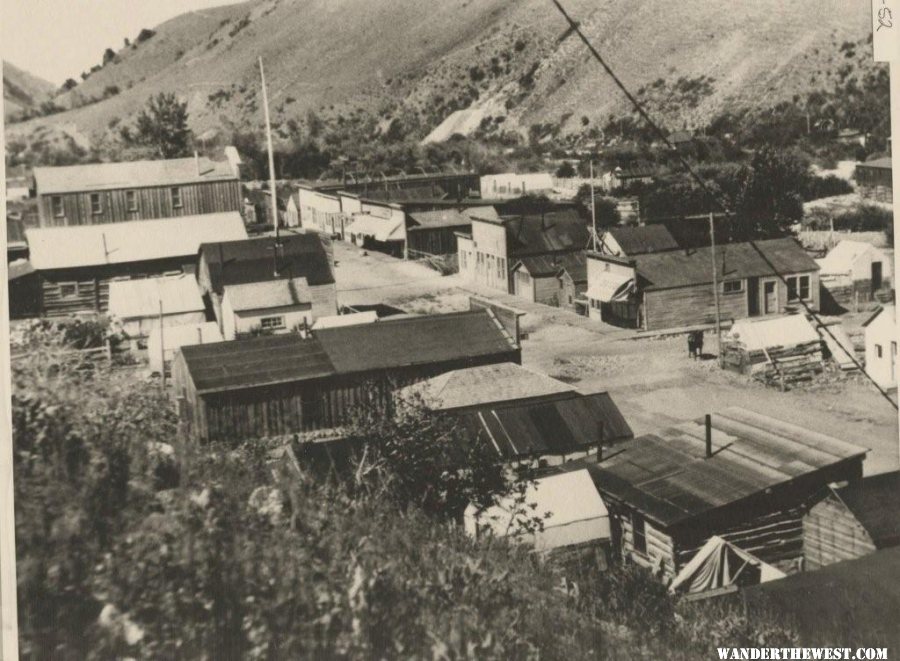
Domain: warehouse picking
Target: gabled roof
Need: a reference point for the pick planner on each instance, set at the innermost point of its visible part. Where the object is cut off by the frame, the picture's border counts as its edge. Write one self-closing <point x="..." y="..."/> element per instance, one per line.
<point x="561" y="426"/>
<point x="132" y="299"/>
<point x="734" y="261"/>
<point x="449" y="217"/>
<point x="130" y="174"/>
<point x="302" y="255"/>
<point x="883" y="163"/>
<point x="643" y="239"/>
<point x="875" y="502"/>
<point x="287" y="292"/>
<point x="131" y="241"/>
<point x="841" y="258"/>
<point x="487" y="384"/>
<point x="555" y="231"/>
<point x="668" y="477"/>
<point x="573" y="263"/>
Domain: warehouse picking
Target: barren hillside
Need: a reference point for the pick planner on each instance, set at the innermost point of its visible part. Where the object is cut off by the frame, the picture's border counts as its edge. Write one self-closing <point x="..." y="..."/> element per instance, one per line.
<point x="22" y="92"/>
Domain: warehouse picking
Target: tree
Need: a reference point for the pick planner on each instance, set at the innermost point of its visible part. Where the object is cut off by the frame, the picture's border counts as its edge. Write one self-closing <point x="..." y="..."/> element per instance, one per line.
<point x="565" y="170"/>
<point x="163" y="127"/>
<point x="69" y="84"/>
<point x="607" y="208"/>
<point x="769" y="196"/>
<point x="108" y="55"/>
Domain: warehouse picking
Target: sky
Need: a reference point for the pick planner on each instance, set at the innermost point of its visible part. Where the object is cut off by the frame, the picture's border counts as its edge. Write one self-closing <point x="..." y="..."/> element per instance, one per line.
<point x="58" y="39"/>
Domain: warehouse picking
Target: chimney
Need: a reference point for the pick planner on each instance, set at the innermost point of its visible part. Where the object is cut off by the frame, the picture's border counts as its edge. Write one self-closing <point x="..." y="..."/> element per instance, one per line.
<point x="199" y="334"/>
<point x="708" y="435"/>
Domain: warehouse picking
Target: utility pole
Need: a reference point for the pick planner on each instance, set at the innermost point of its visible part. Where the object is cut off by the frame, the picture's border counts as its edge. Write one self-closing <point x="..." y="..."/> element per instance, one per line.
<point x="593" y="209"/>
<point x="162" y="347"/>
<point x="265" y="96"/>
<point x="712" y="240"/>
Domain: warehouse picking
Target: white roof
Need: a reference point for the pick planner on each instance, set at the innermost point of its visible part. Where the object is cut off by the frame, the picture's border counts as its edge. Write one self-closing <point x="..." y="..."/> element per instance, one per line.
<point x="268" y="294"/>
<point x="352" y="319"/>
<point x="382" y="229"/>
<point x="605" y="287"/>
<point x="842" y="257"/>
<point x="130" y="241"/>
<point x="568" y="498"/>
<point x="131" y="299"/>
<point x="757" y="334"/>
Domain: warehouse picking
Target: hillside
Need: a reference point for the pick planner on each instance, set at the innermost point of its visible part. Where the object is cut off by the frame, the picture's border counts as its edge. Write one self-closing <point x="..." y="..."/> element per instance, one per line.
<point x="404" y="67"/>
<point x="22" y="91"/>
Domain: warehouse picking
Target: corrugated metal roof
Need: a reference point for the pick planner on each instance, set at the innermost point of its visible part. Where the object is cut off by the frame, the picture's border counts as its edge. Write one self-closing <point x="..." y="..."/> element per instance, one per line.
<point x="303" y="255"/>
<point x="427" y="339"/>
<point x="683" y="268"/>
<point x="487" y="384"/>
<point x="875" y="502"/>
<point x="130" y="174"/>
<point x="131" y="241"/>
<point x="268" y="294"/>
<point x="555" y="427"/>
<point x="759" y="334"/>
<point x="643" y="239"/>
<point x="132" y="299"/>
<point x="670" y="480"/>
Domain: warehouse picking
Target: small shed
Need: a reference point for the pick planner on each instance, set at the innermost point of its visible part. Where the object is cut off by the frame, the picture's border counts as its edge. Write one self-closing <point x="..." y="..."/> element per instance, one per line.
<point x="874" y="179"/>
<point x="854" y="271"/>
<point x="719" y="566"/>
<point x="576" y="514"/>
<point x="881" y="346"/>
<point x="162" y="346"/>
<point x="853" y="520"/>
<point x="139" y="305"/>
<point x="778" y="351"/>
<point x="270" y="306"/>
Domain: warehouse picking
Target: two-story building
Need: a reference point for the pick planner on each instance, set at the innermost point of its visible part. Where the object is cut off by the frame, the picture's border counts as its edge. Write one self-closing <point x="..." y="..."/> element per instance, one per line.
<point x="96" y="193"/>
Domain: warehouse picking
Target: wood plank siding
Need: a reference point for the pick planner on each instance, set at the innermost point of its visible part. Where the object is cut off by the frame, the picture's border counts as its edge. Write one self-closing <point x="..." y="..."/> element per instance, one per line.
<point x="831" y="533"/>
<point x="117" y="205"/>
<point x="433" y="240"/>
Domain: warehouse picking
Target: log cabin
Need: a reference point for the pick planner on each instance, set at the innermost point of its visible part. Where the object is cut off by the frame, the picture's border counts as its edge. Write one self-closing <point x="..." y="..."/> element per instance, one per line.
<point x="282" y="384"/>
<point x="875" y="181"/>
<point x="738" y="474"/>
<point x="98" y="193"/>
<point x="853" y="520"/>
<point x="76" y="264"/>
<point x="673" y="289"/>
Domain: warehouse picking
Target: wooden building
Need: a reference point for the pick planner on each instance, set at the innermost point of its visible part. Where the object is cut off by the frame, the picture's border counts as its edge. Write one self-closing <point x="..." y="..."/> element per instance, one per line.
<point x="97" y="193"/>
<point x="854" y="272"/>
<point x="738" y="474"/>
<point x="280" y="384"/>
<point x="853" y="520"/>
<point x="630" y="241"/>
<point x="874" y="180"/>
<point x="390" y="187"/>
<point x="434" y="232"/>
<point x="304" y="255"/>
<point x="24" y="289"/>
<point x="555" y="280"/>
<point x="673" y="289"/>
<point x="881" y="346"/>
<point x="271" y="306"/>
<point x="76" y="264"/>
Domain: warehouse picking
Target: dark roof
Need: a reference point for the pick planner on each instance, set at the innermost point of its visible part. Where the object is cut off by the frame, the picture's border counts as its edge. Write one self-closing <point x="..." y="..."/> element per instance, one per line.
<point x="556" y="231"/>
<point x="668" y="477"/>
<point x="557" y="427"/>
<point x="448" y="217"/>
<point x="383" y="345"/>
<point x="880" y="163"/>
<point x="251" y="260"/>
<point x="845" y="604"/>
<point x="875" y="502"/>
<point x="574" y="263"/>
<point x="643" y="239"/>
<point x="427" y="339"/>
<point x="682" y="268"/>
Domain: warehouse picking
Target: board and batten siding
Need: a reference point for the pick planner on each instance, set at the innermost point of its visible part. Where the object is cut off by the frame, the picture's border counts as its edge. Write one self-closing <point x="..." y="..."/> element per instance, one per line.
<point x="831" y="533"/>
<point x="150" y="203"/>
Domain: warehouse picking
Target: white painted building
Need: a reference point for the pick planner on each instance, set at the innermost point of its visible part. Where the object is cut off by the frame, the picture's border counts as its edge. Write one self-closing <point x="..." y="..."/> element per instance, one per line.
<point x="321" y="211"/>
<point x="609" y="281"/>
<point x="271" y="306"/>
<point x="483" y="254"/>
<point x="857" y="264"/>
<point x="138" y="305"/>
<point x="881" y="347"/>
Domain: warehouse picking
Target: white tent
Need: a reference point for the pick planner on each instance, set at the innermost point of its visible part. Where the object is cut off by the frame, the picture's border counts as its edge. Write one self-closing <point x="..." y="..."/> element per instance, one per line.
<point x="577" y="514"/>
<point x="760" y="334"/>
<point x="720" y="564"/>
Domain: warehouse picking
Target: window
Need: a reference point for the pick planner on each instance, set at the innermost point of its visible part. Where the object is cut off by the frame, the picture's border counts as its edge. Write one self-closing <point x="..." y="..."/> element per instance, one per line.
<point x="878" y="350"/>
<point x="96" y="204"/>
<point x="733" y="286"/>
<point x="131" y="200"/>
<point x="271" y="323"/>
<point x="68" y="289"/>
<point x="798" y="287"/>
<point x="56" y="204"/>
<point x="176" y="198"/>
<point x="639" y="532"/>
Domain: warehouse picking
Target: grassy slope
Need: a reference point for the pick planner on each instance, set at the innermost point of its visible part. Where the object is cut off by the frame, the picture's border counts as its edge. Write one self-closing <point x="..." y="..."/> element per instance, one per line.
<point x="22" y="90"/>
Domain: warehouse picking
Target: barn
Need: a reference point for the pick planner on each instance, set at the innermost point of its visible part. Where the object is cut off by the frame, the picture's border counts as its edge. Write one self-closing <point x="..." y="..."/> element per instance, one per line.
<point x="76" y="264"/>
<point x="280" y="384"/>
<point x="738" y="474"/>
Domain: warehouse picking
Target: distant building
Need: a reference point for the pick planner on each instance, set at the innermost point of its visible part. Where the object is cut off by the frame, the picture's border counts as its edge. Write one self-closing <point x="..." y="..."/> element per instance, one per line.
<point x="555" y="280"/>
<point x="639" y="240"/>
<point x="17" y="188"/>
<point x="378" y="226"/>
<point x="396" y="186"/>
<point x="875" y="181"/>
<point x="853" y="520"/>
<point x="513" y="184"/>
<point x="268" y="307"/>
<point x="881" y="346"/>
<point x="434" y="232"/>
<point x="851" y="136"/>
<point x="853" y="272"/>
<point x="674" y="288"/>
<point x="76" y="264"/>
<point x="627" y="177"/>
<point x="139" y="306"/>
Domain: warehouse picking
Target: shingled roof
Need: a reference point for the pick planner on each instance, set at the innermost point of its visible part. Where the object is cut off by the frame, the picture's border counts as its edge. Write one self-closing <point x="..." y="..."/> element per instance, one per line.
<point x="554" y="231"/>
<point x="643" y="239"/>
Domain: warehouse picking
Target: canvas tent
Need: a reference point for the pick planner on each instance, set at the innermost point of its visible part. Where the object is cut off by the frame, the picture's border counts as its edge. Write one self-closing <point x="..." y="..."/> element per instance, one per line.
<point x="777" y="349"/>
<point x="719" y="564"/>
<point x="577" y="514"/>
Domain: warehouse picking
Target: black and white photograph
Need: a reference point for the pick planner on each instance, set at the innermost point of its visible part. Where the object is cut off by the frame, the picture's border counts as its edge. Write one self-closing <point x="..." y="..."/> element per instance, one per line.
<point x="459" y="330"/>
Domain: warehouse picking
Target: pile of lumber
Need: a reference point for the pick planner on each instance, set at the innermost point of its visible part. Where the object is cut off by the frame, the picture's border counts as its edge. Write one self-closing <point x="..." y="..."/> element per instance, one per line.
<point x="779" y="365"/>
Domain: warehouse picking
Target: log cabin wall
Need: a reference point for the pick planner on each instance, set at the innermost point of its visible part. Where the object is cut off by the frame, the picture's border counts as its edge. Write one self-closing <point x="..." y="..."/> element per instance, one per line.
<point x="145" y="204"/>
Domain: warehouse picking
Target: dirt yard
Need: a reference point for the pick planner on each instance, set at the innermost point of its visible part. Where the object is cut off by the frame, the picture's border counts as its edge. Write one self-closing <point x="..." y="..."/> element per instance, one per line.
<point x="653" y="380"/>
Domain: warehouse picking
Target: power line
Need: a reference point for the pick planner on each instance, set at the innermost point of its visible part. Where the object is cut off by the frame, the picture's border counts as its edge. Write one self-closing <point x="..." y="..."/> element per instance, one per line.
<point x="717" y="200"/>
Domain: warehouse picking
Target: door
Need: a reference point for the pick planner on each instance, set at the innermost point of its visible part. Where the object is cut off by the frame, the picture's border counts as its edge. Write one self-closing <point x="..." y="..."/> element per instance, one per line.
<point x="877" y="278"/>
<point x="752" y="297"/>
<point x="770" y="297"/>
